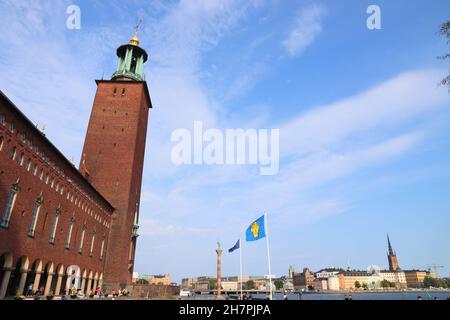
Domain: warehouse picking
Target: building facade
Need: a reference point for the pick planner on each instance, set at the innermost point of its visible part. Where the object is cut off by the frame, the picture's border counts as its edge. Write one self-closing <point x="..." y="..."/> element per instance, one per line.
<point x="63" y="227"/>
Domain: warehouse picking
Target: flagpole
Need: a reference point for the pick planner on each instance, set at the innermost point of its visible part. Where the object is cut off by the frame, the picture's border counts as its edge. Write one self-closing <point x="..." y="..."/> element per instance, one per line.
<point x="240" y="261"/>
<point x="268" y="255"/>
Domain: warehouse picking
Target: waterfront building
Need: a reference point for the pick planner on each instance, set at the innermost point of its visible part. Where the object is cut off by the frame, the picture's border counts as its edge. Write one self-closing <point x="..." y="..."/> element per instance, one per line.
<point x="333" y="283"/>
<point x="303" y="280"/>
<point x="398" y="277"/>
<point x="414" y="278"/>
<point x="352" y="277"/>
<point x="320" y="284"/>
<point x="230" y="285"/>
<point x="63" y="227"/>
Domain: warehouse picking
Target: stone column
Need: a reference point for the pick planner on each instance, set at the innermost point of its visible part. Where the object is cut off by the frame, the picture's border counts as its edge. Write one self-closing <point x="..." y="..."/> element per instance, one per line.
<point x="5" y="281"/>
<point x="48" y="283"/>
<point x="94" y="286"/>
<point x="37" y="279"/>
<point x="89" y="285"/>
<point x="219" y="281"/>
<point x="83" y="283"/>
<point x="23" y="279"/>
<point x="58" y="285"/>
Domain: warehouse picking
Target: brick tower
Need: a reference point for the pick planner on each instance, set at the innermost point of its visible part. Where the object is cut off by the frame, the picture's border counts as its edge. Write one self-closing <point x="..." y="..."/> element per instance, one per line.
<point x="392" y="257"/>
<point x="113" y="155"/>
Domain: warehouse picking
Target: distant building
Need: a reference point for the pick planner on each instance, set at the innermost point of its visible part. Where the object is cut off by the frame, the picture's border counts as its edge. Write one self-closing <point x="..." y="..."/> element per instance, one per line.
<point x="333" y="283"/>
<point x="398" y="277"/>
<point x="353" y="277"/>
<point x="303" y="280"/>
<point x="414" y="278"/>
<point x="163" y="279"/>
<point x="291" y="272"/>
<point x="320" y="284"/>
<point x="230" y="285"/>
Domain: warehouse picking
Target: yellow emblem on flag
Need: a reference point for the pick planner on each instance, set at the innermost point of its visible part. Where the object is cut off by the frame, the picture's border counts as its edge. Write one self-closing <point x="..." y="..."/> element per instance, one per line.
<point x="255" y="229"/>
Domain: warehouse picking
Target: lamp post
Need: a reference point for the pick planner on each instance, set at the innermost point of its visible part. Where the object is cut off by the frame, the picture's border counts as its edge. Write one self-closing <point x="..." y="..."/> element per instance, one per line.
<point x="219" y="253"/>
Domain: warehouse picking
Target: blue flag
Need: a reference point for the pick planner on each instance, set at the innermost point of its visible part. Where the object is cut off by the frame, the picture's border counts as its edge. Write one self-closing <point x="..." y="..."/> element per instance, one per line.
<point x="256" y="230"/>
<point x="236" y="246"/>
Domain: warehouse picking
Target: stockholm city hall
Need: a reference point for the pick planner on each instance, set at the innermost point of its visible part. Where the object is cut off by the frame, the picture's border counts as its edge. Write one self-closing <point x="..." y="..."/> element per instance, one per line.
<point x="64" y="227"/>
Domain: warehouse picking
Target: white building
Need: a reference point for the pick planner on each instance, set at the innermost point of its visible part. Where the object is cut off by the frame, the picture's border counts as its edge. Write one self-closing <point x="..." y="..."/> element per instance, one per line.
<point x="333" y="283"/>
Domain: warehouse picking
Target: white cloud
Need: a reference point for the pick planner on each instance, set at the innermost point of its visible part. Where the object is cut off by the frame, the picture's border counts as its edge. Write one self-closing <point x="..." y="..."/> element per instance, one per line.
<point x="307" y="26"/>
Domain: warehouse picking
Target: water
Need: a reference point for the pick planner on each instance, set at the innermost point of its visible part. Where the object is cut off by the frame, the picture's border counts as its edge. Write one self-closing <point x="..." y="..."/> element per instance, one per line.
<point x="409" y="295"/>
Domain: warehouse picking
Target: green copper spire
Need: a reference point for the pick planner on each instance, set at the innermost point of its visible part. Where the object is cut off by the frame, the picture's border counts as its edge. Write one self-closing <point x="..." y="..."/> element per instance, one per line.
<point x="131" y="61"/>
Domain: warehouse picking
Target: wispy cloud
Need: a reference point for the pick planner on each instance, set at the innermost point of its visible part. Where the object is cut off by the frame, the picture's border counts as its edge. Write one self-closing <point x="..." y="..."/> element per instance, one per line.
<point x="306" y="27"/>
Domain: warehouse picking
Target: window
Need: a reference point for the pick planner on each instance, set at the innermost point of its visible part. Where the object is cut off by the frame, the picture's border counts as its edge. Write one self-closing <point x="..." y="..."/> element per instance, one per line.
<point x="102" y="248"/>
<point x="28" y="164"/>
<point x="80" y="247"/>
<point x="12" y="153"/>
<point x="2" y="119"/>
<point x="22" y="136"/>
<point x="91" y="249"/>
<point x="115" y="91"/>
<point x="68" y="195"/>
<point x="35" y="216"/>
<point x="47" y="178"/>
<point x="20" y="159"/>
<point x="52" y="183"/>
<point x="69" y="234"/>
<point x="54" y="226"/>
<point x="10" y="126"/>
<point x="62" y="190"/>
<point x="35" y="169"/>
<point x="123" y="91"/>
<point x="1" y="143"/>
<point x="41" y="174"/>
<point x="30" y="144"/>
<point x="10" y="205"/>
<point x="57" y="187"/>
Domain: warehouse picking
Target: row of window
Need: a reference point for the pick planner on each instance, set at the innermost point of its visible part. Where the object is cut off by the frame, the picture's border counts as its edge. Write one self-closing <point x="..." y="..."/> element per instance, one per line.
<point x="36" y="150"/>
<point x="6" y="217"/>
<point x="53" y="182"/>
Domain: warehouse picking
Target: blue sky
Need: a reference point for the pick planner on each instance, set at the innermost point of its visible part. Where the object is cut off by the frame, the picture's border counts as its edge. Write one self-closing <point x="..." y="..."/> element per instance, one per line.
<point x="364" y="134"/>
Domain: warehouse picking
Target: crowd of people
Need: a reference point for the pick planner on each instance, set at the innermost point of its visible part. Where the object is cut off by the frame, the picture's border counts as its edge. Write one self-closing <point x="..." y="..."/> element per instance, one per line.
<point x="75" y="293"/>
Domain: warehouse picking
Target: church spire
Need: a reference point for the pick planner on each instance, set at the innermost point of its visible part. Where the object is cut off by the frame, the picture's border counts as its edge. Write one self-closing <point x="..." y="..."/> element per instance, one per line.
<point x="390" y="251"/>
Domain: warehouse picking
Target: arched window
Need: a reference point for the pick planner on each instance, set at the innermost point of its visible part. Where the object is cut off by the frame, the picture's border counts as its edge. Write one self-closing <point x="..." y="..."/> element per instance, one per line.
<point x="1" y="143"/>
<point x="41" y="174"/>
<point x="10" y="126"/>
<point x="62" y="190"/>
<point x="91" y="249"/>
<point x="10" y="205"/>
<point x="12" y="153"/>
<point x="54" y="225"/>
<point x="102" y="247"/>
<point x="35" y="215"/>
<point x="69" y="233"/>
<point x="52" y="183"/>
<point x="80" y="246"/>
<point x="20" y="159"/>
<point x="35" y="169"/>
<point x="47" y="178"/>
<point x="28" y="164"/>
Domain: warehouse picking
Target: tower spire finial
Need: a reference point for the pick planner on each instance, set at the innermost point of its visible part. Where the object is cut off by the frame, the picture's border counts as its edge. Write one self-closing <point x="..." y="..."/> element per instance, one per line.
<point x="134" y="40"/>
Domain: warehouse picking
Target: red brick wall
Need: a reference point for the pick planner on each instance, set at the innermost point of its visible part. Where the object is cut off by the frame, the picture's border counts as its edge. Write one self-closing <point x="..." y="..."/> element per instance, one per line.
<point x="114" y="156"/>
<point x="91" y="209"/>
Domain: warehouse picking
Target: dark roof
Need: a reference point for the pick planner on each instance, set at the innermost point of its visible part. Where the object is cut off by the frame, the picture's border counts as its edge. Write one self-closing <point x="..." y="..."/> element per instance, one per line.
<point x="51" y="146"/>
